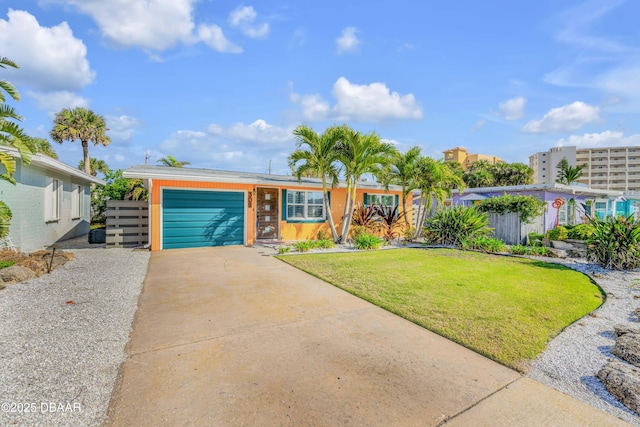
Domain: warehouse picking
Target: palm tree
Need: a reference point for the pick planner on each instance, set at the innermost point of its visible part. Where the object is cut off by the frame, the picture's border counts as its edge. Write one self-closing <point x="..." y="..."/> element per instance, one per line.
<point x="11" y="135"/>
<point x="95" y="166"/>
<point x="402" y="172"/>
<point x="436" y="181"/>
<point x="359" y="154"/>
<point x="318" y="158"/>
<point x="41" y="146"/>
<point x="568" y="174"/>
<point x="85" y="125"/>
<point x="172" y="162"/>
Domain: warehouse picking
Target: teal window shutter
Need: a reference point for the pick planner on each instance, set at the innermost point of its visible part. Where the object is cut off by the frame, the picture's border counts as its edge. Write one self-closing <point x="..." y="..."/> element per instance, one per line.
<point x="326" y="214"/>
<point x="284" y="204"/>
<point x="397" y="200"/>
<point x="366" y="199"/>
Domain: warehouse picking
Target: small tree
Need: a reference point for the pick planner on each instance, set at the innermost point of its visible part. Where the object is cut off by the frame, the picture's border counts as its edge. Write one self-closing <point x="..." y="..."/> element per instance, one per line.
<point x="568" y="174"/>
<point x="116" y="187"/>
<point x="172" y="162"/>
<point x="529" y="207"/>
<point x="95" y="166"/>
<point x="85" y="125"/>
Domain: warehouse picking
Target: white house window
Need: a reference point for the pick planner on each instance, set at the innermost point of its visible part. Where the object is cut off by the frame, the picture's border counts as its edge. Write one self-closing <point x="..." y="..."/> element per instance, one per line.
<point x="303" y="205"/>
<point x="381" y="199"/>
<point x="77" y="202"/>
<point x="52" y="196"/>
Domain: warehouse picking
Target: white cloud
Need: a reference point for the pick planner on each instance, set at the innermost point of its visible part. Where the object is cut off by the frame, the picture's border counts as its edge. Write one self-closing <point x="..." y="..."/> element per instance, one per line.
<point x="365" y="103"/>
<point x="213" y="36"/>
<point x="50" y="58"/>
<point x="244" y="18"/>
<point x="242" y="147"/>
<point x="512" y="109"/>
<point x="607" y="138"/>
<point x="53" y="102"/>
<point x="259" y="131"/>
<point x="122" y="128"/>
<point x="151" y="24"/>
<point x="478" y="125"/>
<point x="567" y="118"/>
<point x="348" y="41"/>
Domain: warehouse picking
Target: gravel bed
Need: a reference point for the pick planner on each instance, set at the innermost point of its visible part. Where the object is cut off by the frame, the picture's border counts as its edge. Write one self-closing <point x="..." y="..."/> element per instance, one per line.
<point x="574" y="357"/>
<point x="63" y="336"/>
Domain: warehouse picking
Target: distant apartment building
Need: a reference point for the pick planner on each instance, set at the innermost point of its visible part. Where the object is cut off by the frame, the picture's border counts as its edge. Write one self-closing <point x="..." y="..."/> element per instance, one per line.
<point x="462" y="156"/>
<point x="608" y="168"/>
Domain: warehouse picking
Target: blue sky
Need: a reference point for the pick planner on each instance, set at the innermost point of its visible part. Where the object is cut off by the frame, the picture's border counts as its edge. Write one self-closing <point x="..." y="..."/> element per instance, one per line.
<point x="222" y="84"/>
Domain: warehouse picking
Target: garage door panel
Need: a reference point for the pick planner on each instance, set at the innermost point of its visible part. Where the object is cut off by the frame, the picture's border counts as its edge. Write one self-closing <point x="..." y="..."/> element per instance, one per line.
<point x="202" y="218"/>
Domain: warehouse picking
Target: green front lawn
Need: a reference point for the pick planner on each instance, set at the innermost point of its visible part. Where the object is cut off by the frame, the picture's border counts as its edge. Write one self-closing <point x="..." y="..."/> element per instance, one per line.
<point x="504" y="308"/>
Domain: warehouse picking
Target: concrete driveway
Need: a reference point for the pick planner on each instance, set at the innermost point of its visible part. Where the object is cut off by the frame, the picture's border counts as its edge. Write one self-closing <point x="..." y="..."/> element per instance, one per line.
<point x="231" y="336"/>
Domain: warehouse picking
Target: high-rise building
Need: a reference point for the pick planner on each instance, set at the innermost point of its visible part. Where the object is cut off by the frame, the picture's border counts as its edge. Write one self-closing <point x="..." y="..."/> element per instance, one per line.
<point x="607" y="168"/>
<point x="462" y="156"/>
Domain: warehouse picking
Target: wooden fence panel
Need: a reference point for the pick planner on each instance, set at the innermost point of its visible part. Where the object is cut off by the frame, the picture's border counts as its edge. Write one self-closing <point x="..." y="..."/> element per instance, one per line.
<point x="506" y="227"/>
<point x="127" y="223"/>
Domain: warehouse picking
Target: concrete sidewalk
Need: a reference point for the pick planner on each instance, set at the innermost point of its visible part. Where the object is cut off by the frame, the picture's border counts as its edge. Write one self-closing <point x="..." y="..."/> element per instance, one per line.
<point x="231" y="336"/>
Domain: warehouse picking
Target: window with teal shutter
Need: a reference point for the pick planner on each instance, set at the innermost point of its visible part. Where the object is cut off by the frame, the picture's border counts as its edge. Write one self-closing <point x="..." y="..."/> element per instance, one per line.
<point x="284" y="205"/>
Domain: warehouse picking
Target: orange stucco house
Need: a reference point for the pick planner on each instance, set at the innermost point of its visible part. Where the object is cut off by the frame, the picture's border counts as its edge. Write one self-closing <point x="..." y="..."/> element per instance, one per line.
<point x="203" y="207"/>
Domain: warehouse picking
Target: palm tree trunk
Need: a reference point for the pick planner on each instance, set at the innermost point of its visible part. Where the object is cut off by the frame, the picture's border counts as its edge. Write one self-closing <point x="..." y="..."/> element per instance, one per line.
<point x="327" y="209"/>
<point x="404" y="207"/>
<point x="346" y="218"/>
<point x="85" y="152"/>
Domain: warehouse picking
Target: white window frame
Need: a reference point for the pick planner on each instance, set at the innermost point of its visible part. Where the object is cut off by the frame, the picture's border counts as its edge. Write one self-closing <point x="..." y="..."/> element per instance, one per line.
<point x="53" y="198"/>
<point x="306" y="205"/>
<point x="371" y="199"/>
<point x="77" y="201"/>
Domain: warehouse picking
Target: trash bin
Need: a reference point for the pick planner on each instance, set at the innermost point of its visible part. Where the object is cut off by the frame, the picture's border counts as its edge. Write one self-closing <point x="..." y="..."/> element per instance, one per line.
<point x="98" y="236"/>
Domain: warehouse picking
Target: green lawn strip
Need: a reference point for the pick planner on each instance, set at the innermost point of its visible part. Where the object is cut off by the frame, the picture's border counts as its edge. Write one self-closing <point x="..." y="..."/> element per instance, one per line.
<point x="502" y="307"/>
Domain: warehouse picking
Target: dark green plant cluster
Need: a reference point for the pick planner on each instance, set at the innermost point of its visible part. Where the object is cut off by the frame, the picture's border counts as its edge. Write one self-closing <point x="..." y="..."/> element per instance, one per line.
<point x="535" y="238"/>
<point x="116" y="187"/>
<point x="615" y="242"/>
<point x="307" y="245"/>
<point x="5" y="264"/>
<point x="581" y="232"/>
<point x="536" y="250"/>
<point x="375" y="219"/>
<point x="558" y="233"/>
<point x="484" y="244"/>
<point x="452" y="226"/>
<point x="367" y="241"/>
<point x="529" y="207"/>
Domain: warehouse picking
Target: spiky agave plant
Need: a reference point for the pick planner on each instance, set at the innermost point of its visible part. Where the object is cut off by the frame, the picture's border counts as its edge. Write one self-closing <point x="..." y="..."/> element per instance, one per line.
<point x="452" y="226"/>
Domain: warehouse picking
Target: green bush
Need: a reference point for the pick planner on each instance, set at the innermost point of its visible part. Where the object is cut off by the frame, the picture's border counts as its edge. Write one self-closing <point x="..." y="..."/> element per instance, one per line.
<point x="535" y="238"/>
<point x="530" y="250"/>
<point x="284" y="249"/>
<point x="558" y="233"/>
<point x="452" y="226"/>
<point x="357" y="230"/>
<point x="615" y="242"/>
<point x="528" y="207"/>
<point x="323" y="244"/>
<point x="485" y="244"/>
<point x="303" y="246"/>
<point x="367" y="241"/>
<point x="581" y="232"/>
<point x="5" y="264"/>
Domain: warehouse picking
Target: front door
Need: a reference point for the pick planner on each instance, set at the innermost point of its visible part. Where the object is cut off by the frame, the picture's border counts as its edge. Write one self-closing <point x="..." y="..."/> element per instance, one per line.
<point x="267" y="211"/>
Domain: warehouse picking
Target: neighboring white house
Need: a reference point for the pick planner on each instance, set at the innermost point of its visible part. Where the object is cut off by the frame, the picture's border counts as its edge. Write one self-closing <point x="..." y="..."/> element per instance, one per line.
<point x="50" y="203"/>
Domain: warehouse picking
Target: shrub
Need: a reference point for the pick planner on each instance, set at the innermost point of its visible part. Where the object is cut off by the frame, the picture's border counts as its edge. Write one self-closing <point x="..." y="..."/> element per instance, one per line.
<point x="367" y="241"/>
<point x="409" y="233"/>
<point x="5" y="264"/>
<point x="390" y="221"/>
<point x="535" y="238"/>
<point x="558" y="233"/>
<point x="284" y="249"/>
<point x="581" y="232"/>
<point x="485" y="244"/>
<point x="530" y="250"/>
<point x="357" y="230"/>
<point x="303" y="246"/>
<point x="528" y="207"/>
<point x="615" y="242"/>
<point x="323" y="244"/>
<point x="520" y="250"/>
<point x="323" y="235"/>
<point x="451" y="226"/>
<point x="365" y="216"/>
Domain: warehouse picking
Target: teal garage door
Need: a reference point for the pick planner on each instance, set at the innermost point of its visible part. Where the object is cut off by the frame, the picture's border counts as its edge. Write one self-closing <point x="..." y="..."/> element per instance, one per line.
<point x="192" y="219"/>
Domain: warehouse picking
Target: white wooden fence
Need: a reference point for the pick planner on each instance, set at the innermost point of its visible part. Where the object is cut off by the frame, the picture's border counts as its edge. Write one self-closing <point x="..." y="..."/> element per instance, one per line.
<point x="127" y="223"/>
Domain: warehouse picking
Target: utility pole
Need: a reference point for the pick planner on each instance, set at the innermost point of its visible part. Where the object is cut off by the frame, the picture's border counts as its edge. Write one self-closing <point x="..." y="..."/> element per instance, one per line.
<point x="146" y="157"/>
<point x="269" y="167"/>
